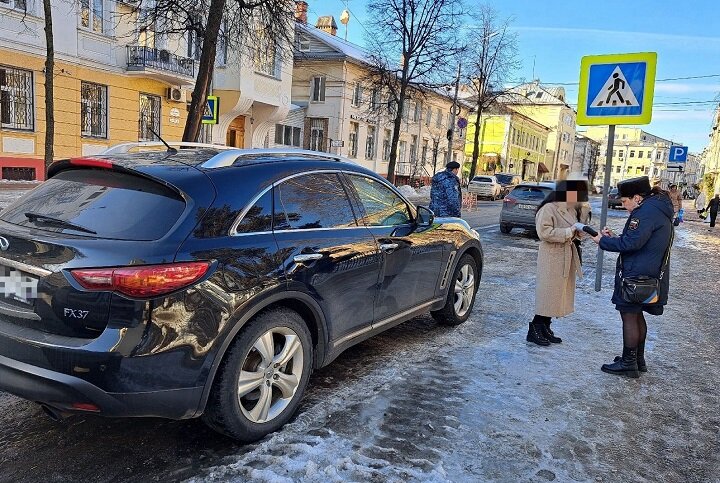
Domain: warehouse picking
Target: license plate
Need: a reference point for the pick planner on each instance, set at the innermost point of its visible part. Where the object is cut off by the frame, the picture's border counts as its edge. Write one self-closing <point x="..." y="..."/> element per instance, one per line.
<point x="526" y="207"/>
<point x="17" y="285"/>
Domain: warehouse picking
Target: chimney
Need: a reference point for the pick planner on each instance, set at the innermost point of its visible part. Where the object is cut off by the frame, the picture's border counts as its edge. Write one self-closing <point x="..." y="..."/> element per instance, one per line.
<point x="301" y="9"/>
<point x="327" y="24"/>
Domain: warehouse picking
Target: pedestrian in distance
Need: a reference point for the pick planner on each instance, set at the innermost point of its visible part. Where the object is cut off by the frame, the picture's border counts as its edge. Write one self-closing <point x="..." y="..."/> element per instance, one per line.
<point x="558" y="261"/>
<point x="445" y="192"/>
<point x="642" y="270"/>
<point x="712" y="207"/>
<point x="700" y="202"/>
<point x="677" y="199"/>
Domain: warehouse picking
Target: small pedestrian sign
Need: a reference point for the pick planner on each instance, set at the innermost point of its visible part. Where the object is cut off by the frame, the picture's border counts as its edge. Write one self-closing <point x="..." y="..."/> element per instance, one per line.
<point x="210" y="113"/>
<point x="678" y="154"/>
<point x="616" y="89"/>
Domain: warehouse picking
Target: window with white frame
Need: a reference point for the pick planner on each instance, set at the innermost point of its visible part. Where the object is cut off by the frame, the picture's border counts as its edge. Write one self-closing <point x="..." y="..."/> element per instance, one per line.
<point x="370" y="143"/>
<point x="317" y="86"/>
<point x="91" y="15"/>
<point x="303" y="43"/>
<point x="357" y="95"/>
<point x="149" y="117"/>
<point x="387" y="141"/>
<point x="17" y="109"/>
<point x="194" y="39"/>
<point x="15" y="4"/>
<point x="416" y="112"/>
<point x="438" y="118"/>
<point x="93" y="110"/>
<point x="428" y="115"/>
<point x="374" y="100"/>
<point x="402" y="149"/>
<point x="317" y="134"/>
<point x="353" y="144"/>
<point x="265" y="56"/>
<point x="287" y="135"/>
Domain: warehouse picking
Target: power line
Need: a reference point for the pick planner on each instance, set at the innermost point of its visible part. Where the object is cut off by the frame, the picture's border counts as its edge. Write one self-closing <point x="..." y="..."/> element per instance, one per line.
<point x="668" y="79"/>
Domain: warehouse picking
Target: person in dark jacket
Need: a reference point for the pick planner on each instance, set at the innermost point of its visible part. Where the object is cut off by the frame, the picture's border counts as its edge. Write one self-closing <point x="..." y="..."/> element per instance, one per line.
<point x="642" y="246"/>
<point x="713" y="209"/>
<point x="445" y="193"/>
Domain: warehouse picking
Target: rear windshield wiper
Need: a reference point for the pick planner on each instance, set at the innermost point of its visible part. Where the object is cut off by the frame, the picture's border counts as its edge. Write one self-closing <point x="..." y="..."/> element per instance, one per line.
<point x="38" y="217"/>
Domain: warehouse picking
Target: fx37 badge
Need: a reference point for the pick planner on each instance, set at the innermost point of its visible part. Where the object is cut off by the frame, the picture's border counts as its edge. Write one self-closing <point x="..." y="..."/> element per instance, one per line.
<point x="75" y="313"/>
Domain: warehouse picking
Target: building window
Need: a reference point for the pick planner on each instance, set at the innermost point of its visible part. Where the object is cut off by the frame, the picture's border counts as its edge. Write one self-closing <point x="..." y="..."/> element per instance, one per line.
<point x="423" y="155"/>
<point x="317" y="134"/>
<point x="266" y="57"/>
<point x="16" y="99"/>
<point x="370" y="143"/>
<point x="357" y="95"/>
<point x="413" y="149"/>
<point x="374" y="100"/>
<point x="640" y="154"/>
<point x="387" y="141"/>
<point x="17" y="5"/>
<point x="632" y="153"/>
<point x="614" y="153"/>
<point x="658" y="155"/>
<point x="621" y="153"/>
<point x="438" y="118"/>
<point x="402" y="149"/>
<point x="416" y="112"/>
<point x="617" y="169"/>
<point x="353" y="144"/>
<point x="428" y="116"/>
<point x="287" y="135"/>
<point x="91" y="16"/>
<point x="647" y="170"/>
<point x="149" y="117"/>
<point x="93" y="112"/>
<point x="303" y="44"/>
<point x="318" y="89"/>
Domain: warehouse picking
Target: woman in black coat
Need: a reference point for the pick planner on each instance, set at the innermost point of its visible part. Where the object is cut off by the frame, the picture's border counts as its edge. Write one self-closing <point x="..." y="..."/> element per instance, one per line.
<point x="713" y="209"/>
<point x="644" y="250"/>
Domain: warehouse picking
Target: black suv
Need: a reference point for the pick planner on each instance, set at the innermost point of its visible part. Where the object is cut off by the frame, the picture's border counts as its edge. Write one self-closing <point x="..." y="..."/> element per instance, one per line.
<point x="212" y="282"/>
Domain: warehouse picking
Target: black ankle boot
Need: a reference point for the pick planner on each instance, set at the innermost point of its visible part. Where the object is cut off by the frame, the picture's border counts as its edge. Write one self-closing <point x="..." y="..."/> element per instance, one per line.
<point x="535" y="334"/>
<point x="549" y="334"/>
<point x="626" y="366"/>
<point x="642" y="366"/>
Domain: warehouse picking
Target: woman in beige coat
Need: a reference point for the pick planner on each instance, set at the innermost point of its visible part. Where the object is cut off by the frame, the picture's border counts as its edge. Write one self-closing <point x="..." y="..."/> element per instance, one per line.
<point x="558" y="223"/>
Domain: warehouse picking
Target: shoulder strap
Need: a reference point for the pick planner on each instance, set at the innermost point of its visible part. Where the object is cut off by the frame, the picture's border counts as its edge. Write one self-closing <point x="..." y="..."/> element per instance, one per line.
<point x="667" y="252"/>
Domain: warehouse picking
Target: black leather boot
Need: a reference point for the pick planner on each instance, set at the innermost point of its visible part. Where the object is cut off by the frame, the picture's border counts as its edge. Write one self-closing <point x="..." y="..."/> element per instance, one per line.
<point x="642" y="366"/>
<point x="549" y="334"/>
<point x="626" y="366"/>
<point x="535" y="334"/>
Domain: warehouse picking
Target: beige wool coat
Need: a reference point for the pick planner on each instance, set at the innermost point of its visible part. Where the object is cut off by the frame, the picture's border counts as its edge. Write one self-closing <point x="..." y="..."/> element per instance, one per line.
<point x="558" y="263"/>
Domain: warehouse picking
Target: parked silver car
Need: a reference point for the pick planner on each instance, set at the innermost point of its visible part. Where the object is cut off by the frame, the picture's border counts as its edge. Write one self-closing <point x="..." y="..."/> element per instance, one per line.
<point x="485" y="186"/>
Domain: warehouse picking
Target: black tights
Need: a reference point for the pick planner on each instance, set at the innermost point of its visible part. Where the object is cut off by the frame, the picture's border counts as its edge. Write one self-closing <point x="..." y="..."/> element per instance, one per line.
<point x="541" y="319"/>
<point x="634" y="329"/>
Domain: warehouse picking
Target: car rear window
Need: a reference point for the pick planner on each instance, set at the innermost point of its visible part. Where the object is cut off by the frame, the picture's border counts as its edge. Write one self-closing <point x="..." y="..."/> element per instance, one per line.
<point x="536" y="193"/>
<point x="482" y="179"/>
<point x="109" y="203"/>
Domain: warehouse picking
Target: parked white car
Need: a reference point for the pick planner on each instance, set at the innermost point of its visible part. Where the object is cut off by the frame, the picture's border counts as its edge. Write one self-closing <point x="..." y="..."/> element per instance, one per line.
<point x="485" y="187"/>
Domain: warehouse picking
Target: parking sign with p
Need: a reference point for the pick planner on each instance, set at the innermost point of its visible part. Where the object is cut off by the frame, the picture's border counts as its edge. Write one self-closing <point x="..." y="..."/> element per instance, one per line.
<point x="678" y="154"/>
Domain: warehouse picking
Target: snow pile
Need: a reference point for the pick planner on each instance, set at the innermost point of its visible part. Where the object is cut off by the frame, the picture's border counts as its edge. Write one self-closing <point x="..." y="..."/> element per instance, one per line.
<point x="424" y="191"/>
<point x="407" y="191"/>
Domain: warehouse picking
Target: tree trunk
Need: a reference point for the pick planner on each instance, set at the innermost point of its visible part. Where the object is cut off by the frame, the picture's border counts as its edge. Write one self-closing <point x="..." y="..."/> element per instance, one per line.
<point x="205" y="71"/>
<point x="49" y="86"/>
<point x="476" y="141"/>
<point x="396" y="126"/>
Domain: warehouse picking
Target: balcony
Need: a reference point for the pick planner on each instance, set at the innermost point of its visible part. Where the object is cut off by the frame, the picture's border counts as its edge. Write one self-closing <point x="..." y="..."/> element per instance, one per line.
<point x="160" y="64"/>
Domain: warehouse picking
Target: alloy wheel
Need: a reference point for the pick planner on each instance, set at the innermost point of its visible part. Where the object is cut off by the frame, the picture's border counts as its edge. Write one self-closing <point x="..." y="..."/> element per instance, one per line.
<point x="464" y="290"/>
<point x="270" y="374"/>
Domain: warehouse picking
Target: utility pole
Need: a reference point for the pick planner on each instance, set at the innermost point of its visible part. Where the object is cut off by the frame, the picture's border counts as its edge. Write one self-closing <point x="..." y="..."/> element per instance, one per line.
<point x="453" y="110"/>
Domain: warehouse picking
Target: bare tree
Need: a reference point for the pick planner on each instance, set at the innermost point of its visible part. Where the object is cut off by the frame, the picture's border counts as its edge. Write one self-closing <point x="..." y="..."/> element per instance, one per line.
<point x="491" y="59"/>
<point x="410" y="42"/>
<point x="245" y="26"/>
<point x="49" y="86"/>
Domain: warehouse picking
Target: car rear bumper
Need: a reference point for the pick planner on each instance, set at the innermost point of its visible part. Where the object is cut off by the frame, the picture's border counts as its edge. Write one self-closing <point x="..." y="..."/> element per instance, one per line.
<point x="62" y="391"/>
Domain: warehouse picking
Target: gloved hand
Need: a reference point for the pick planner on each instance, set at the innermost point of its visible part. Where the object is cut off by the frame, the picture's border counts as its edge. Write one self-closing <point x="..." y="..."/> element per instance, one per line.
<point x="578" y="226"/>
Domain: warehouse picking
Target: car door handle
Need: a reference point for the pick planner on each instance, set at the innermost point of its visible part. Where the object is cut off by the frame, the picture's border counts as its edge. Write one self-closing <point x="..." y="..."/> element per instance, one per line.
<point x="389" y="247"/>
<point x="307" y="257"/>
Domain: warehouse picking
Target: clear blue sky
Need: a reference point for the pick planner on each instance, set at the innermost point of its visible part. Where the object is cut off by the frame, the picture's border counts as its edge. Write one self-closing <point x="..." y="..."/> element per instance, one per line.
<point x="556" y="34"/>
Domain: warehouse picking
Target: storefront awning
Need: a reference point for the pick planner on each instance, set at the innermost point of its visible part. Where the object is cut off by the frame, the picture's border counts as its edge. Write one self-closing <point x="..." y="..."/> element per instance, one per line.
<point x="542" y="168"/>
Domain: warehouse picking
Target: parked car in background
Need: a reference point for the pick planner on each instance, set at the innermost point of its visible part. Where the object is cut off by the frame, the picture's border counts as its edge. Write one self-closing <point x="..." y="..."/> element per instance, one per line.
<point x="614" y="199"/>
<point x="507" y="182"/>
<point x="521" y="205"/>
<point x="212" y="282"/>
<point x="485" y="186"/>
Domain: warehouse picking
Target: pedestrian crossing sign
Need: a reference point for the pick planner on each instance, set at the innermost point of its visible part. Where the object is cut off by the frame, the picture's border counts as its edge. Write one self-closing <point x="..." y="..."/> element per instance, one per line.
<point x="210" y="111"/>
<point x="616" y="89"/>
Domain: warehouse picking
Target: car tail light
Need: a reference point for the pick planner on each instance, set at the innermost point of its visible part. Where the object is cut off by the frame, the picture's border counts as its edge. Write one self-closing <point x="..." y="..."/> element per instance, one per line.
<point x="509" y="200"/>
<point x="143" y="281"/>
<point x="92" y="162"/>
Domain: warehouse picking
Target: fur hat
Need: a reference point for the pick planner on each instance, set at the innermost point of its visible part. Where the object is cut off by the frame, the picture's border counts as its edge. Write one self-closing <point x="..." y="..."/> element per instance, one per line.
<point x="453" y="165"/>
<point x="634" y="186"/>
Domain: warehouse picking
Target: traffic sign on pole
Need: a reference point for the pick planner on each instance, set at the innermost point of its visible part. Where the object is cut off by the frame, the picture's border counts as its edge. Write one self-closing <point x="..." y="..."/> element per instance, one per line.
<point x="678" y="154"/>
<point x="616" y="89"/>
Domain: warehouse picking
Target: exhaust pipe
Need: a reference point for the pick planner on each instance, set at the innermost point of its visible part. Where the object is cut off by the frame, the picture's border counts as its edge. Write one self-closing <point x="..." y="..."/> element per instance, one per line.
<point x="53" y="413"/>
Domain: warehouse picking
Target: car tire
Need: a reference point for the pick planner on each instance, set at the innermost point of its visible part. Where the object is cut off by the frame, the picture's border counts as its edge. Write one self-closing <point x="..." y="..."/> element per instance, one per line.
<point x="505" y="228"/>
<point x="278" y="380"/>
<point x="461" y="293"/>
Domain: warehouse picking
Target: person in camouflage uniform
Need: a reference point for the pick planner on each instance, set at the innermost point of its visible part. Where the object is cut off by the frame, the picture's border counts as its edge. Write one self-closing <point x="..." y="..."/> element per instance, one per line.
<point x="445" y="193"/>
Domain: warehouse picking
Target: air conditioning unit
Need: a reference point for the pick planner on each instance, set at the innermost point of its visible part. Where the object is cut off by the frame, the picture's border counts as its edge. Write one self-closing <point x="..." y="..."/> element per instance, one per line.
<point x="175" y="94"/>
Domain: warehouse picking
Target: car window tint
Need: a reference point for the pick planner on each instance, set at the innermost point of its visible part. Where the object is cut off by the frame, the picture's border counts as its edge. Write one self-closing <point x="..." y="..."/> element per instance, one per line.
<point x="112" y="204"/>
<point x="382" y="206"/>
<point x="483" y="180"/>
<point x="312" y="201"/>
<point x="259" y="217"/>
<point x="530" y="193"/>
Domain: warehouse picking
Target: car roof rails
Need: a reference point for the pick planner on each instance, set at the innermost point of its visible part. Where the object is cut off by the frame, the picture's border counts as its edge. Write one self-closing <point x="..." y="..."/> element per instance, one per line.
<point x="125" y="148"/>
<point x="228" y="158"/>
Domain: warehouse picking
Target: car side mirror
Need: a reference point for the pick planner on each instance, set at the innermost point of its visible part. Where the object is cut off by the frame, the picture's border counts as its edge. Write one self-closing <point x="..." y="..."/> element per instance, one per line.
<point x="425" y="217"/>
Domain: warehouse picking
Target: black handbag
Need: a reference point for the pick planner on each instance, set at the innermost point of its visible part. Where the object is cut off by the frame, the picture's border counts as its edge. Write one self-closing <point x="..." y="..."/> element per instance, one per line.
<point x="642" y="289"/>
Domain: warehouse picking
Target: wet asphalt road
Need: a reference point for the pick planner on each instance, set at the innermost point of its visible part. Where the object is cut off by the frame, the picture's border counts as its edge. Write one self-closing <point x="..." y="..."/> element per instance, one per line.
<point x="422" y="402"/>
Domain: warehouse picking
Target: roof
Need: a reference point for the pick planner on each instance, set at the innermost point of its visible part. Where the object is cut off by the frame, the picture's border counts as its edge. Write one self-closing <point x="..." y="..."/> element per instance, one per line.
<point x="342" y="48"/>
<point x="536" y="93"/>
